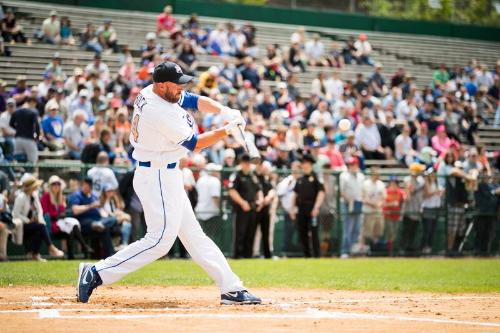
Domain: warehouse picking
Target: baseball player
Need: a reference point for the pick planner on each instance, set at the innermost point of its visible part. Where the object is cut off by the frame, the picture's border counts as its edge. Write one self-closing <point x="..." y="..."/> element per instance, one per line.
<point x="162" y="133"/>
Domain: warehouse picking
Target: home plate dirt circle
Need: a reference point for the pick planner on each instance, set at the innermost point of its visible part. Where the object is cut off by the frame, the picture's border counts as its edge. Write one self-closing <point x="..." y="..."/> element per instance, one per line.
<point x="197" y="309"/>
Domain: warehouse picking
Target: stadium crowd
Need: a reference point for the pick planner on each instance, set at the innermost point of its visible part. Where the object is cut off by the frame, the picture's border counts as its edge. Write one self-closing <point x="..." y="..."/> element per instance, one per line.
<point x="85" y="115"/>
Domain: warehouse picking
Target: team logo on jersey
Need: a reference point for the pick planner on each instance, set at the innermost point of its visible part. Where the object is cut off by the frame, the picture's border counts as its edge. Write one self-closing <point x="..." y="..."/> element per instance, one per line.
<point x="178" y="69"/>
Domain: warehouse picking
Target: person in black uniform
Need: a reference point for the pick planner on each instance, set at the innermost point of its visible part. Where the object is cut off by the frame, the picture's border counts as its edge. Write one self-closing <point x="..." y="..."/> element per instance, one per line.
<point x="309" y="194"/>
<point x="246" y="194"/>
<point x="263" y="217"/>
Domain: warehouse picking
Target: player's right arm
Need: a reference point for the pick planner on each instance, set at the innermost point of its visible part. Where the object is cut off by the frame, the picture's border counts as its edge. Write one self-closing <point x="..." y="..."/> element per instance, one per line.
<point x="209" y="138"/>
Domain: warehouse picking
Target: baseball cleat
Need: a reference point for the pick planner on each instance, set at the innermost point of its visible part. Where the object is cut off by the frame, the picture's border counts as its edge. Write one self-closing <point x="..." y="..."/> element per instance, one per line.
<point x="88" y="280"/>
<point x="239" y="297"/>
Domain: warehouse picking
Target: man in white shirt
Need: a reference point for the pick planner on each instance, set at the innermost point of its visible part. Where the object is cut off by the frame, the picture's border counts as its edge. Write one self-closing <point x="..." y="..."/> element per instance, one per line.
<point x="76" y="134"/>
<point x="322" y="116"/>
<point x="373" y="194"/>
<point x="334" y="88"/>
<point x="99" y="68"/>
<point x="6" y="130"/>
<point x="163" y="133"/>
<point x="51" y="28"/>
<point x="207" y="210"/>
<point x="363" y="50"/>
<point x="102" y="174"/>
<point x="368" y="139"/>
<point x="284" y="190"/>
<point x="315" y="52"/>
<point x="351" y="183"/>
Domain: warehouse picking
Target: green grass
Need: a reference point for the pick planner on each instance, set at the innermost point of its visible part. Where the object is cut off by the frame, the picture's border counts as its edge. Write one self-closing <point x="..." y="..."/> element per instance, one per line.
<point x="437" y="275"/>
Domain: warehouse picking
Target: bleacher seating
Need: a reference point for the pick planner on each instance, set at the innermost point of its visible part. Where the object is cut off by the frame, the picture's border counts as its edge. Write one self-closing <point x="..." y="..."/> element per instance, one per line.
<point x="417" y="54"/>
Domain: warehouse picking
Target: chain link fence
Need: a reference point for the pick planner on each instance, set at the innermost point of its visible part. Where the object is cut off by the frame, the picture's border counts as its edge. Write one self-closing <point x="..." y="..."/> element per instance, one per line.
<point x="448" y="229"/>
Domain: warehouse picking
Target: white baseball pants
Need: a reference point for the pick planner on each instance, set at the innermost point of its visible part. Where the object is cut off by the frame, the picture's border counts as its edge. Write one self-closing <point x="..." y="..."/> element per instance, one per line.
<point x="168" y="214"/>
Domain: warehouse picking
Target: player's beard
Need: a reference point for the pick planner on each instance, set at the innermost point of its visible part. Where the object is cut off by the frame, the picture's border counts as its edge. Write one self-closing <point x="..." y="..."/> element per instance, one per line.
<point x="171" y="97"/>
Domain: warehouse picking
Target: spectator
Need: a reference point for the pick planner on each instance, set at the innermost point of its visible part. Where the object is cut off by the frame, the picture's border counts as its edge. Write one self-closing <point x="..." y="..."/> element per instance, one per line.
<point x="394" y="199"/>
<point x="363" y="50"/>
<point x="28" y="209"/>
<point x="294" y="137"/>
<point x="249" y="72"/>
<point x="333" y="154"/>
<point x="398" y="78"/>
<point x="3" y="95"/>
<point x="349" y="51"/>
<point x="20" y="92"/>
<point x="106" y="144"/>
<point x="89" y="40"/>
<point x="267" y="105"/>
<point x="7" y="132"/>
<point x="107" y="36"/>
<point x="263" y="217"/>
<point x="377" y="81"/>
<point x="368" y="138"/>
<point x="218" y="41"/>
<point x="414" y="186"/>
<point x="53" y="204"/>
<point x="76" y="135"/>
<point x="486" y="198"/>
<point x="151" y="48"/>
<point x="53" y="127"/>
<point x="207" y="209"/>
<point x="334" y="88"/>
<point x="112" y="206"/>
<point x="373" y="196"/>
<point x="51" y="29"/>
<point x="208" y="81"/>
<point x="456" y="198"/>
<point x="315" y="52"/>
<point x="99" y="68"/>
<point x="285" y="193"/>
<point x="404" y="147"/>
<point x="430" y="209"/>
<point x="11" y="31"/>
<point x="441" y="142"/>
<point x="81" y="103"/>
<point x="406" y="110"/>
<point x="84" y="207"/>
<point x="66" y="32"/>
<point x="322" y="115"/>
<point x="351" y="183"/>
<point x="25" y="122"/>
<point x="318" y="86"/>
<point x="334" y="56"/>
<point x="165" y="22"/>
<point x="187" y="57"/>
<point x="102" y="175"/>
<point x="309" y="194"/>
<point x="441" y="75"/>
<point x="294" y="61"/>
<point x="273" y="64"/>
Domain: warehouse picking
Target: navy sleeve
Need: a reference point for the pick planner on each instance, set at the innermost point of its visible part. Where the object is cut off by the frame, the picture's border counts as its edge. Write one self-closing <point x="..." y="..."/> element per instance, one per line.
<point x="189" y="101"/>
<point x="190" y="143"/>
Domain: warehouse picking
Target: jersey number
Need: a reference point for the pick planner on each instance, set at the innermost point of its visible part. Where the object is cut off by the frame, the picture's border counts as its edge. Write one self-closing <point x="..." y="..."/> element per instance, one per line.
<point x="135" y="123"/>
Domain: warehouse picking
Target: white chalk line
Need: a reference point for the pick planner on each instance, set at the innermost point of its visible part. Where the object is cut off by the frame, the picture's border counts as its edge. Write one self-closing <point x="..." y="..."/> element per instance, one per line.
<point x="393" y="299"/>
<point x="308" y="314"/>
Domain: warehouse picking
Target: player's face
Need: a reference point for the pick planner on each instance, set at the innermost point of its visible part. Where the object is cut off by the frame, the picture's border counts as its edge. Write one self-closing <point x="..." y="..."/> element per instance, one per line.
<point x="172" y="92"/>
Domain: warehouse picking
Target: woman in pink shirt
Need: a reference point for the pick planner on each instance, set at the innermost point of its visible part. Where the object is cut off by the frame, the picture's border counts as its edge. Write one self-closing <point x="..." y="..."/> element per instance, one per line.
<point x="441" y="142"/>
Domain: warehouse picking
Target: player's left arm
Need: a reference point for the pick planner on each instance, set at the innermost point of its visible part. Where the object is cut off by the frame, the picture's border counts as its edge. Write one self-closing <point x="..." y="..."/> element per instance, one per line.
<point x="206" y="104"/>
<point x="199" y="103"/>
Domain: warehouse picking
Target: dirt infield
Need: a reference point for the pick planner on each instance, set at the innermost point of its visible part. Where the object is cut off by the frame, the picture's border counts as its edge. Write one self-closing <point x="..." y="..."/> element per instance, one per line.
<point x="188" y="309"/>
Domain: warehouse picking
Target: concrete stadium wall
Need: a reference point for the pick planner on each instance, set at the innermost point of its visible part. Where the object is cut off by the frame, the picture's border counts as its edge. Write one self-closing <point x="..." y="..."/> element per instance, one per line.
<point x="297" y="16"/>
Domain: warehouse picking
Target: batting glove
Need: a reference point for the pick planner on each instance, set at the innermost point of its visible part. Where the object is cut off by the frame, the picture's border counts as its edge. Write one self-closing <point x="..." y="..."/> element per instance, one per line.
<point x="238" y="121"/>
<point x="229" y="114"/>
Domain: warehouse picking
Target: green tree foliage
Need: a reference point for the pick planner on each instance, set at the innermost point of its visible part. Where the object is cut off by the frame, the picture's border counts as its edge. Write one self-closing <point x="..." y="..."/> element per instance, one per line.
<point x="476" y="12"/>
